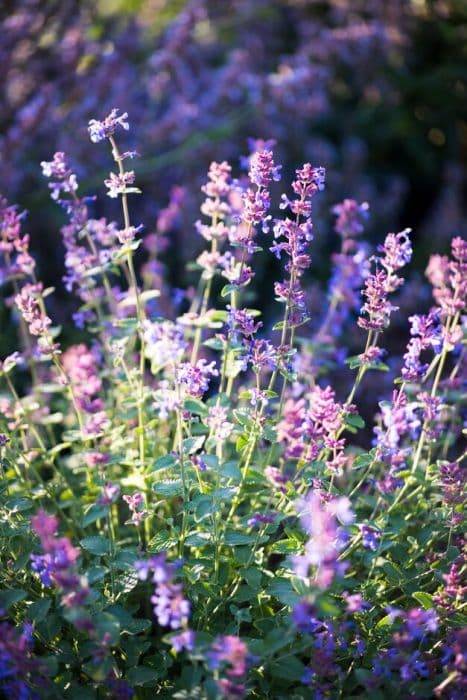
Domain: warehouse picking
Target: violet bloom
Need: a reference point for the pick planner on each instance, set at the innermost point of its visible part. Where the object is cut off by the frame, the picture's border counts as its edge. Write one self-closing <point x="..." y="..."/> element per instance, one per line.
<point x="217" y="421"/>
<point x="304" y="617"/>
<point x="350" y="217"/>
<point x="261" y="519"/>
<point x="229" y="650"/>
<point x="118" y="184"/>
<point x="109" y="495"/>
<point x="164" y="343"/>
<point x="396" y="253"/>
<point x="327" y="539"/>
<point x="21" y="674"/>
<point x="100" y="130"/>
<point x="184" y="640"/>
<point x="195" y="378"/>
<point x="136" y="506"/>
<point x="371" y="537"/>
<point x="56" y="566"/>
<point x="170" y="607"/>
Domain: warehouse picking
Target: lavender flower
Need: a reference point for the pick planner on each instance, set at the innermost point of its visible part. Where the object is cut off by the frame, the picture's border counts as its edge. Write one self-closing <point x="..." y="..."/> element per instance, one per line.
<point x="56" y="566"/>
<point x="170" y="607"/>
<point x="100" y="130"/>
<point x="396" y="252"/>
<point x="136" y="506"/>
<point x="370" y="537"/>
<point x="195" y="378"/>
<point x="326" y="539"/>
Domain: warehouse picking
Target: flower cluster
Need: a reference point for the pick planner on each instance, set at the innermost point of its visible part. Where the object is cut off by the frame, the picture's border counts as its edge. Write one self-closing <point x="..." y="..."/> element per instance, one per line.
<point x="320" y="520"/>
<point x="170" y="607"/>
<point x="230" y="654"/>
<point x="57" y="566"/>
<point x="396" y="253"/>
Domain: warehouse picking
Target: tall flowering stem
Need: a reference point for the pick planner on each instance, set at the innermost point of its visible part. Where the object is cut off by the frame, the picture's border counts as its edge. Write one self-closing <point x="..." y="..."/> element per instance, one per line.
<point x="120" y="185"/>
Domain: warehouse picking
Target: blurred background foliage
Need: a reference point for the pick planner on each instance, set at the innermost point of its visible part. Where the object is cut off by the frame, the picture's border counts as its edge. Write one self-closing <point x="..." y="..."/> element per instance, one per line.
<point x="374" y="90"/>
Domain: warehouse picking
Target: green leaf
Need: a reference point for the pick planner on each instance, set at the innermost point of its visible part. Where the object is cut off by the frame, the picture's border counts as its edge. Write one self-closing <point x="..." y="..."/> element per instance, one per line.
<point x="168" y="488"/>
<point x="234" y="539"/>
<point x="193" y="444"/>
<point x="165" y="462"/>
<point x="161" y="541"/>
<point x="128" y="624"/>
<point x="354" y="420"/>
<point x="393" y="572"/>
<point x="425" y="599"/>
<point x="96" y="573"/>
<point x="290" y="669"/>
<point x="93" y="513"/>
<point x="9" y="598"/>
<point x="195" y="406"/>
<point x="96" y="544"/>
<point x="109" y="626"/>
<point x="281" y="588"/>
<point x="141" y="675"/>
<point x="285" y="547"/>
<point x="38" y="610"/>
<point x="18" y="505"/>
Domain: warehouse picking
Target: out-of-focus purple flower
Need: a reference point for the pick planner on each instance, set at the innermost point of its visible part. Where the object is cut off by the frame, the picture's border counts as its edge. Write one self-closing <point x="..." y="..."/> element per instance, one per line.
<point x="304" y="617"/>
<point x="350" y="216"/>
<point x="164" y="343"/>
<point x="326" y="538"/>
<point x="371" y="537"/>
<point x="109" y="495"/>
<point x="184" y="640"/>
<point x="276" y="478"/>
<point x="229" y="650"/>
<point x="56" y="566"/>
<point x="21" y="674"/>
<point x="354" y="602"/>
<point x="217" y="421"/>
<point x="170" y="607"/>
<point x="100" y="130"/>
<point x="261" y="519"/>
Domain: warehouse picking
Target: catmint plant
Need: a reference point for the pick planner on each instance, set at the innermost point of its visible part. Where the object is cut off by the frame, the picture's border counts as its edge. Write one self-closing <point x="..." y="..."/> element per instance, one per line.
<point x="207" y="504"/>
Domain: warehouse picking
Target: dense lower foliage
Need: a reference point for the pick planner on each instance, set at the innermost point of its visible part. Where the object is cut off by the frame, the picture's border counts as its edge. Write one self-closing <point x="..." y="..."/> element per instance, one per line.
<point x="191" y="504"/>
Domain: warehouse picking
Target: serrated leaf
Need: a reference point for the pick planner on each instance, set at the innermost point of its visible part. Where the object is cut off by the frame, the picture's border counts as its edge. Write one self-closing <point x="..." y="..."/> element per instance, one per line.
<point x="235" y="539"/>
<point x="141" y="675"/>
<point x="94" y="512"/>
<point x="168" y="488"/>
<point x="281" y="588"/>
<point x="165" y="462"/>
<point x="128" y="624"/>
<point x="38" y="610"/>
<point x="161" y="541"/>
<point x="11" y="597"/>
<point x="193" y="444"/>
<point x="290" y="669"/>
<point x="96" y="544"/>
<point x="425" y="599"/>
<point x="195" y="406"/>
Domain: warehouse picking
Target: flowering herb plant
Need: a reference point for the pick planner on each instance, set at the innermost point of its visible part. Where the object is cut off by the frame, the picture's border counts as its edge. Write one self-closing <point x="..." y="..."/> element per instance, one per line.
<point x="191" y="503"/>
